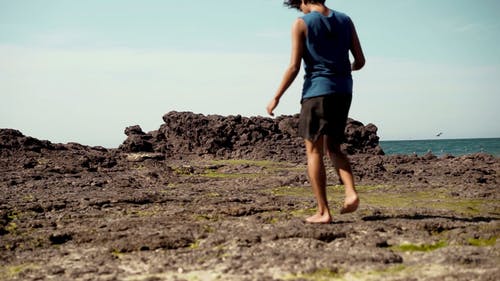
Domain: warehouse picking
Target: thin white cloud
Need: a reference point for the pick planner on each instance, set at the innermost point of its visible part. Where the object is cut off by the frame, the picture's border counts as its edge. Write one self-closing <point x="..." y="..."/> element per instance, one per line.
<point x="409" y="99"/>
<point x="91" y="95"/>
<point x="470" y="27"/>
<point x="51" y="91"/>
<point x="273" y="34"/>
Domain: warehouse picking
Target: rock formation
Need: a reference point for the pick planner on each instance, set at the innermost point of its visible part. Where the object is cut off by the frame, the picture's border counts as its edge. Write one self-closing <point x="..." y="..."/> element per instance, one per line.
<point x="186" y="134"/>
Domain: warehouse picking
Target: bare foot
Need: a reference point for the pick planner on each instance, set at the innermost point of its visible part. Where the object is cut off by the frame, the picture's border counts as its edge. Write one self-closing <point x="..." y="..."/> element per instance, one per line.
<point x="318" y="218"/>
<point x="350" y="204"/>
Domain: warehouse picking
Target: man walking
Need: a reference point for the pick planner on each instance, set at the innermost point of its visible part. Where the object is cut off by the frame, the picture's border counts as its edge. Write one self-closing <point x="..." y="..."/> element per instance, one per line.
<point x="323" y="38"/>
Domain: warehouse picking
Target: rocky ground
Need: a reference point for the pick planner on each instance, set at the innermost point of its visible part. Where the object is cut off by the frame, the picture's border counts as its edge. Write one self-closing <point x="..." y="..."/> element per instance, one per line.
<point x="160" y="209"/>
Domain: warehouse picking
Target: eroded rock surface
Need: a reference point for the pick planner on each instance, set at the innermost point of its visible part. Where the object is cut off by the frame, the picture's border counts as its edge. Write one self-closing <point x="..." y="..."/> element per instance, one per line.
<point x="185" y="134"/>
<point x="221" y="209"/>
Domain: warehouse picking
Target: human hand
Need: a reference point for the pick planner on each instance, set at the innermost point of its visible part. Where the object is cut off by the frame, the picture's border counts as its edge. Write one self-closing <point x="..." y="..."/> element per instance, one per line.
<point x="272" y="105"/>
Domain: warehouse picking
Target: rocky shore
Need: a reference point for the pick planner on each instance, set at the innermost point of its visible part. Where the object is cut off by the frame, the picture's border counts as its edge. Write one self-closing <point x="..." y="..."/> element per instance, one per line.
<point x="224" y="197"/>
<point x="185" y="134"/>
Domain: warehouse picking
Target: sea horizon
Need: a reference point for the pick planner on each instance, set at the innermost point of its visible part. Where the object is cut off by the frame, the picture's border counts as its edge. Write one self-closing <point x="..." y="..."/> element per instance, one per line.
<point x="439" y="147"/>
<point x="439" y="138"/>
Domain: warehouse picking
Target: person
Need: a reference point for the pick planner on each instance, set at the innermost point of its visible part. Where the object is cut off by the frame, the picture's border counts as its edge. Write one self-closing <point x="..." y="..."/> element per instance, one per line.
<point x="323" y="38"/>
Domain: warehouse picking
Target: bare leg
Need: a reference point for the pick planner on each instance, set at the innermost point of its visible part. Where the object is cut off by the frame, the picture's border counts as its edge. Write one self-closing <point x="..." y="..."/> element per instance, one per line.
<point x="343" y="168"/>
<point x="317" y="176"/>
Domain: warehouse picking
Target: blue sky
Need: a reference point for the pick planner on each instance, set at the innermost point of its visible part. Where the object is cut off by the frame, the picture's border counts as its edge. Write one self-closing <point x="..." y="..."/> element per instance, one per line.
<point x="84" y="70"/>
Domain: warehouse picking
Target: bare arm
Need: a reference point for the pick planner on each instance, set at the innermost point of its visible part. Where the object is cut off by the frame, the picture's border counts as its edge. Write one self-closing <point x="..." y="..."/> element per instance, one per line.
<point x="298" y="36"/>
<point x="357" y="52"/>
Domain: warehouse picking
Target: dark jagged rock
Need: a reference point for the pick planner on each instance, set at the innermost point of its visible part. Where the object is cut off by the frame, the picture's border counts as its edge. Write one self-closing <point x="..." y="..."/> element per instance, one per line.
<point x="69" y="158"/>
<point x="137" y="140"/>
<point x="84" y="213"/>
<point x="188" y="136"/>
<point x="134" y="130"/>
<point x="15" y="140"/>
<point x="362" y="139"/>
<point x="185" y="134"/>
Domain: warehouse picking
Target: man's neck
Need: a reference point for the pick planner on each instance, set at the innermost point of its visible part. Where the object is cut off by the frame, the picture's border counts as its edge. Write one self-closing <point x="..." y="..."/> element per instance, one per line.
<point x="322" y="9"/>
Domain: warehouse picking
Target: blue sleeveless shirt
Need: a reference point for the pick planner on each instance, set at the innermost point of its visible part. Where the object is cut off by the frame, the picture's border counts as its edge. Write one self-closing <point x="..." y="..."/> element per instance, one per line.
<point x="326" y="54"/>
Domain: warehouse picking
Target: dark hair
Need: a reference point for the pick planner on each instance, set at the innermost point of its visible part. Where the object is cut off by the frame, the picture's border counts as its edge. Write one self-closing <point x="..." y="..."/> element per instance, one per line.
<point x="295" y="4"/>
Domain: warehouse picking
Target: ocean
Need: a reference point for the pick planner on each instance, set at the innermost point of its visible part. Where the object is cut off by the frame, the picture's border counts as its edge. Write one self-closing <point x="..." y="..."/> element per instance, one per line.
<point x="438" y="147"/>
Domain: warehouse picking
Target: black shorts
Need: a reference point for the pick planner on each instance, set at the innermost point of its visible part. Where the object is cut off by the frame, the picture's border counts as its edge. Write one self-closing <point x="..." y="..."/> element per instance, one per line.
<point x="325" y="115"/>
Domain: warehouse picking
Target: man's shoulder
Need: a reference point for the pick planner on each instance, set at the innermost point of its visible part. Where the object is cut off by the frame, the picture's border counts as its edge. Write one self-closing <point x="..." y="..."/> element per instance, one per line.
<point x="310" y="15"/>
<point x="340" y="14"/>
